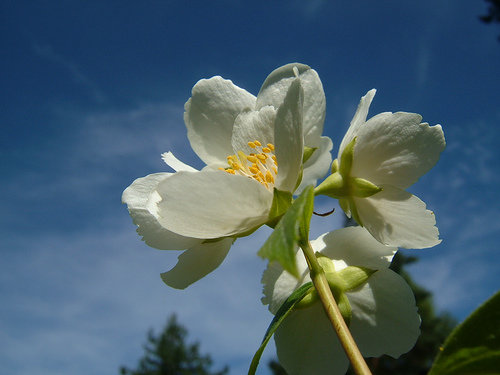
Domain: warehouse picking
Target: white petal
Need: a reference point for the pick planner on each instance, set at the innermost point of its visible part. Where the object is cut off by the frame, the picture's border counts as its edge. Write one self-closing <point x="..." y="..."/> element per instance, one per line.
<point x="197" y="262"/>
<point x="307" y="345"/>
<point x="212" y="204"/>
<point x="209" y="116"/>
<point x="397" y="218"/>
<point x="276" y="85"/>
<point x="141" y="199"/>
<point x="288" y="138"/>
<point x="279" y="284"/>
<point x="358" y="120"/>
<point x="354" y="246"/>
<point x="253" y="125"/>
<point x="396" y="149"/>
<point x="318" y="165"/>
<point x="384" y="316"/>
<point x="175" y="163"/>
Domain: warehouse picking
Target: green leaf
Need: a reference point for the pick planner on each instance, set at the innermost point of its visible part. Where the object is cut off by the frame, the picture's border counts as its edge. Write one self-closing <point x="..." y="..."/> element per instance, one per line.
<point x="474" y="346"/>
<point x="292" y="229"/>
<point x="285" y="309"/>
<point x="281" y="202"/>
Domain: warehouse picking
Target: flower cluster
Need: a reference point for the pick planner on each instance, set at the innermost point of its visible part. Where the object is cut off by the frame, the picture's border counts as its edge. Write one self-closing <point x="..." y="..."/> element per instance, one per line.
<point x="205" y="211"/>
<point x="260" y="152"/>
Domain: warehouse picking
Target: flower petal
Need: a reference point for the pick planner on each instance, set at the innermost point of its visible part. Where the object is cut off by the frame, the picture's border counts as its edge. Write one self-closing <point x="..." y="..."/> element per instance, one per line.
<point x="307" y="345"/>
<point x="278" y="284"/>
<point x="358" y="120"/>
<point x="396" y="149"/>
<point x="175" y="163"/>
<point x="397" y="218"/>
<point x="354" y="246"/>
<point x="318" y="165"/>
<point x="197" y="262"/>
<point x="141" y="199"/>
<point x="209" y="116"/>
<point x="276" y="85"/>
<point x="384" y="315"/>
<point x="212" y="204"/>
<point x="253" y="125"/>
<point x="288" y="138"/>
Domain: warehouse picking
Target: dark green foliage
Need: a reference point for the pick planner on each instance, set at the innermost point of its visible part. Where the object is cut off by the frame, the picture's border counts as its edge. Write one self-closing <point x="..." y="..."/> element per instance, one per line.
<point x="168" y="354"/>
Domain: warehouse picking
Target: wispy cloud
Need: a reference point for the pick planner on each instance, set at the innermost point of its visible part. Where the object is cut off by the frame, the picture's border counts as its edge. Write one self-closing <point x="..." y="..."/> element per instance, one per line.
<point x="47" y="52"/>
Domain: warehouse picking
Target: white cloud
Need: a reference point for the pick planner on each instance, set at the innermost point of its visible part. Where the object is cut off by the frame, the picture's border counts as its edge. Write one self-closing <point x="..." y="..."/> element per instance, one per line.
<point x="47" y="52"/>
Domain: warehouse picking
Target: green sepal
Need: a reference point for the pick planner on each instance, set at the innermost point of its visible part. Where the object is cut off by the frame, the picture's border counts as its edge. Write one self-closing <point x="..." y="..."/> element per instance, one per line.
<point x="344" y="307"/>
<point x="346" y="158"/>
<point x="308" y="152"/>
<point x="333" y="186"/>
<point x="353" y="276"/>
<point x="325" y="263"/>
<point x="335" y="166"/>
<point x="291" y="230"/>
<point x="354" y="212"/>
<point x="309" y="299"/>
<point x="344" y="204"/>
<point x="362" y="188"/>
<point x="473" y="347"/>
<point x="281" y="203"/>
<point x="285" y="309"/>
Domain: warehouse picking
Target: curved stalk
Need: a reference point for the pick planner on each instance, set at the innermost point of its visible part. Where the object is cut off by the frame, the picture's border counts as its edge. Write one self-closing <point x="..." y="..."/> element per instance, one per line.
<point x="332" y="311"/>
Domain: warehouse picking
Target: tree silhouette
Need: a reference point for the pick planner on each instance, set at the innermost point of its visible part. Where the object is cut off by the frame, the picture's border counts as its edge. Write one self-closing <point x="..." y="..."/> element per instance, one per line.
<point x="168" y="354"/>
<point x="493" y="13"/>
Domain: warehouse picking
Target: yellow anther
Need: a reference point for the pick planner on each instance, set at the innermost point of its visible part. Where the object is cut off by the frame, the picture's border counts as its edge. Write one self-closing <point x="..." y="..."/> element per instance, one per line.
<point x="269" y="177"/>
<point x="254" y="165"/>
<point x="254" y="170"/>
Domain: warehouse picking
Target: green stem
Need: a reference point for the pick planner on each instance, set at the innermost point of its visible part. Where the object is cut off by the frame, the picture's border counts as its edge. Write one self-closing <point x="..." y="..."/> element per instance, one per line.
<point x="332" y="311"/>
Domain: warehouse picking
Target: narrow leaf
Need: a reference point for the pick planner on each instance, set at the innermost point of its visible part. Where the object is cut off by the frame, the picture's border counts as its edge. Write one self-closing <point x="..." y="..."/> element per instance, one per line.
<point x="292" y="229"/>
<point x="285" y="309"/>
<point x="474" y="346"/>
<point x="281" y="202"/>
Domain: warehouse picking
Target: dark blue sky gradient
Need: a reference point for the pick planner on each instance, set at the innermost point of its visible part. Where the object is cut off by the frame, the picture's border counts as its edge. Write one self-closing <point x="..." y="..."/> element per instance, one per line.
<point x="93" y="93"/>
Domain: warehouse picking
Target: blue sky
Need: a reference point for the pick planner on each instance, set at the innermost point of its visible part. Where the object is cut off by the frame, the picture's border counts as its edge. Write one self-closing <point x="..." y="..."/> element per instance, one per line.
<point x="93" y="93"/>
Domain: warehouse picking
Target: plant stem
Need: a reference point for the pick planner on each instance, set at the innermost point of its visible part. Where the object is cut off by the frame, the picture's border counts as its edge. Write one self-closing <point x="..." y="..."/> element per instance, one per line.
<point x="332" y="311"/>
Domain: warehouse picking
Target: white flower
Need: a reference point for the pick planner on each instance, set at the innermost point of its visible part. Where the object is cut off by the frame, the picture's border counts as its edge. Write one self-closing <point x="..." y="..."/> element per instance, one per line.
<point x="377" y="160"/>
<point x="384" y="315"/>
<point x="251" y="145"/>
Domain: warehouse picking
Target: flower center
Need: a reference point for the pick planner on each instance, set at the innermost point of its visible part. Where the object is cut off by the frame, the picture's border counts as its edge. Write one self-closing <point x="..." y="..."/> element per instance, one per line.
<point x="260" y="165"/>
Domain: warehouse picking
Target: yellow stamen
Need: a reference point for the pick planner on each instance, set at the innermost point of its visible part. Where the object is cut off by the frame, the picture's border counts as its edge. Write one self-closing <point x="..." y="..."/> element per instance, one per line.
<point x="269" y="177"/>
<point x="261" y="156"/>
<point x="255" y="165"/>
<point x="254" y="170"/>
